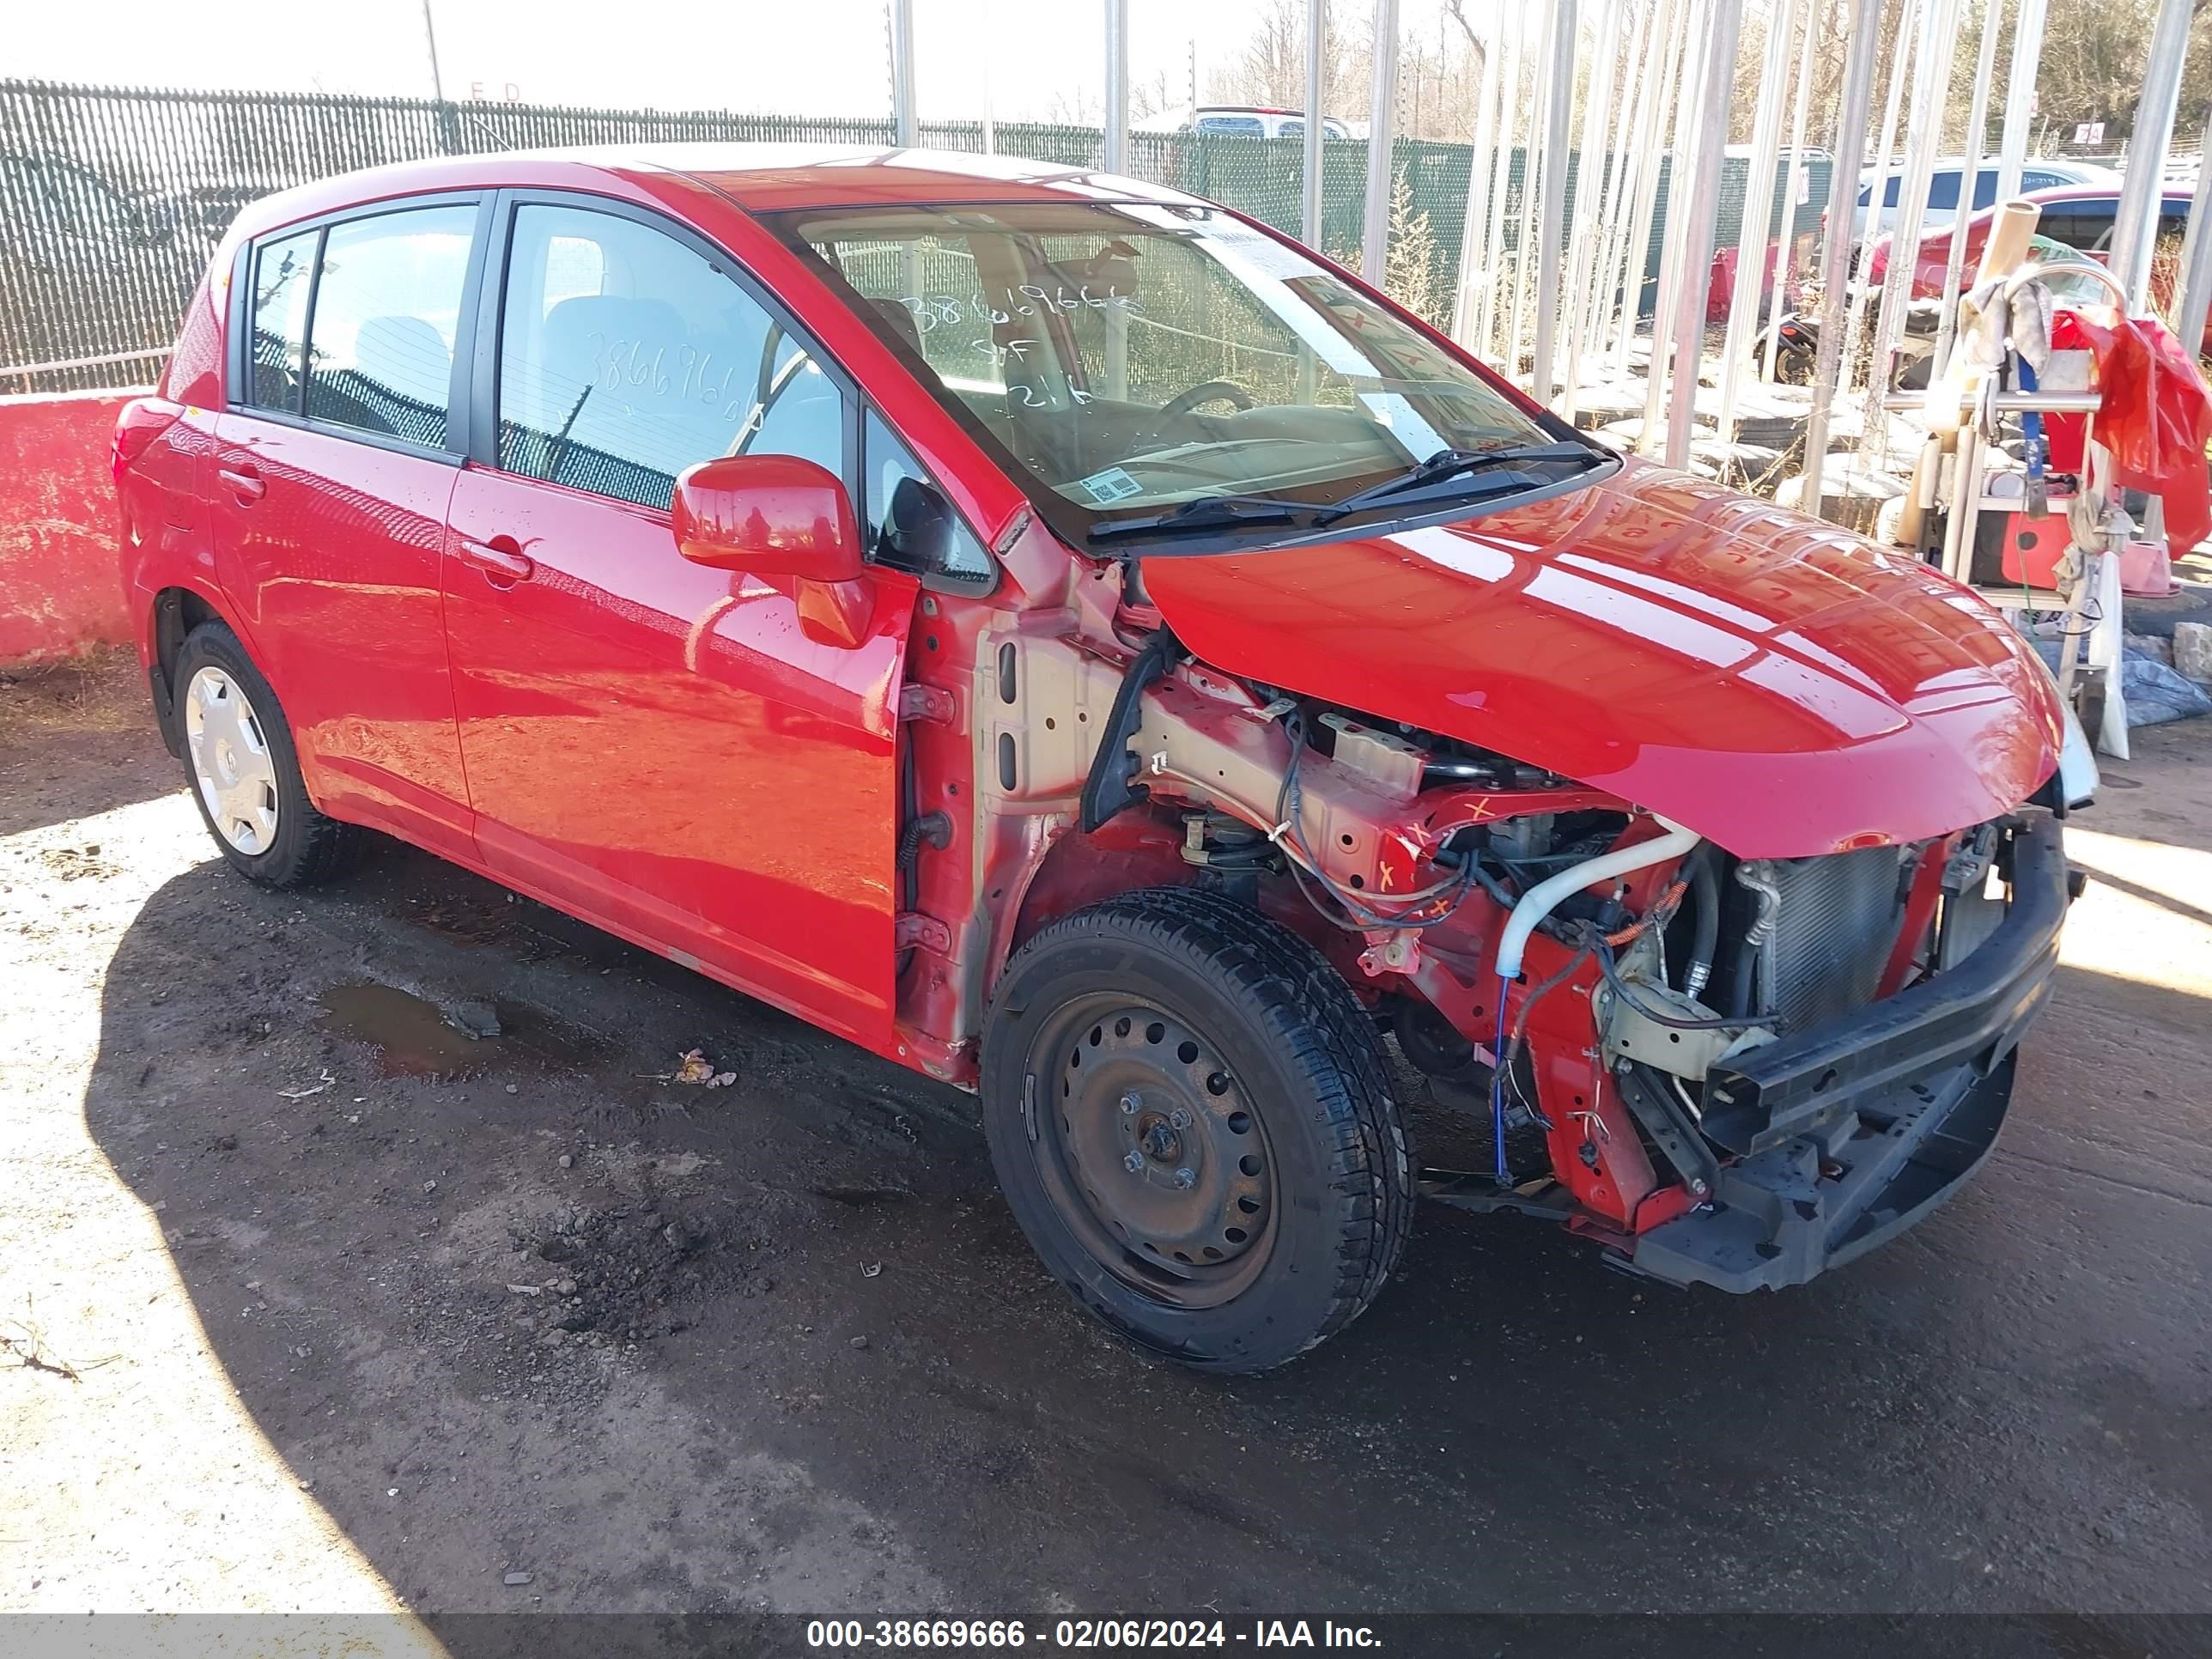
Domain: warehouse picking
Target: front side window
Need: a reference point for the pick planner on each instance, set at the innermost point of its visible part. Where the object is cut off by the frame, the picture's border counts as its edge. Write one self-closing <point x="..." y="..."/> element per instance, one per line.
<point x="1126" y="358"/>
<point x="388" y="308"/>
<point x="910" y="525"/>
<point x="626" y="356"/>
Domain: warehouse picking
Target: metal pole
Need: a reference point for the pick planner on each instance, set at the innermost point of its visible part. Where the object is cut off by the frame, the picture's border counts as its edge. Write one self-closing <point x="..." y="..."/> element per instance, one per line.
<point x="1705" y="213"/>
<point x="1673" y="233"/>
<point x="983" y="63"/>
<point x="1316" y="27"/>
<point x="1785" y="254"/>
<point x="1552" y="210"/>
<point x="1538" y="19"/>
<point x="904" y="128"/>
<point x="1668" y="30"/>
<point x="1621" y="162"/>
<point x="1969" y="181"/>
<point x="1481" y="172"/>
<point x="1589" y="183"/>
<point x="1381" y="111"/>
<point x="2134" y="233"/>
<point x="2020" y="96"/>
<point x="1930" y="85"/>
<point x="1855" y="104"/>
<point x="1513" y="28"/>
<point x="2197" y="253"/>
<point x="1544" y="162"/>
<point x="1117" y="86"/>
<point x="1751" y="239"/>
<point x="1901" y="62"/>
<point x="430" y="39"/>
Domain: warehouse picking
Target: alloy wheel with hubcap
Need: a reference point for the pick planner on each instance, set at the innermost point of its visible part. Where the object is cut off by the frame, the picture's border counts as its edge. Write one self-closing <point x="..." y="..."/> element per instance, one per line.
<point x="231" y="761"/>
<point x="225" y="721"/>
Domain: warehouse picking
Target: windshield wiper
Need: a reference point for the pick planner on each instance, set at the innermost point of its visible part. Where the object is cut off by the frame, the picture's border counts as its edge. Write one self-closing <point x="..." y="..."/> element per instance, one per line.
<point x="1451" y="463"/>
<point x="1206" y="513"/>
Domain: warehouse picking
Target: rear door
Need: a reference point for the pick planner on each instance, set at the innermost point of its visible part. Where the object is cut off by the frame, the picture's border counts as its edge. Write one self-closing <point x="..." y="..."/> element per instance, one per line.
<point x="334" y="463"/>
<point x="654" y="744"/>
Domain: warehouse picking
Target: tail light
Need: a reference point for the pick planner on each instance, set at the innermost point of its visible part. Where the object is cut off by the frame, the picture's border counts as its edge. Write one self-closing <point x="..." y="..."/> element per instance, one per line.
<point x="141" y="422"/>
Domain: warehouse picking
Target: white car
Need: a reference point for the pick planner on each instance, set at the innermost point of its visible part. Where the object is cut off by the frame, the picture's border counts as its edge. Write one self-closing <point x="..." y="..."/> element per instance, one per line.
<point x="2038" y="173"/>
<point x="1257" y="121"/>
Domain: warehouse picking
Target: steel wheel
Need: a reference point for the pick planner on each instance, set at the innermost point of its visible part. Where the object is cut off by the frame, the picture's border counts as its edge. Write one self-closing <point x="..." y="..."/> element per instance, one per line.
<point x="231" y="761"/>
<point x="1191" y="1118"/>
<point x="1153" y="1152"/>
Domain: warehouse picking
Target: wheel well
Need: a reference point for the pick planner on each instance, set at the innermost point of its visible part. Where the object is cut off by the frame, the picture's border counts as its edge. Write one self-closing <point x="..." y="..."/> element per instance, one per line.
<point x="177" y="611"/>
<point x="1142" y="849"/>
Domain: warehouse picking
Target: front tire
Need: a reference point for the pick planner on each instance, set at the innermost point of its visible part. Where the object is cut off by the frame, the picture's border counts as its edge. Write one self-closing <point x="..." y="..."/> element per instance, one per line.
<point x="245" y="769"/>
<point x="1191" y="1117"/>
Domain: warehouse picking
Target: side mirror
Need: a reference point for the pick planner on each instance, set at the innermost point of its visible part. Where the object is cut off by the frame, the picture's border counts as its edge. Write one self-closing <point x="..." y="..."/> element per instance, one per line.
<point x="768" y="515"/>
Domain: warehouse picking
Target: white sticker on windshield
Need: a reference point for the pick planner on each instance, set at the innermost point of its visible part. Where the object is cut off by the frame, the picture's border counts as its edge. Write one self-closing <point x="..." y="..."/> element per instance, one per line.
<point x="1112" y="485"/>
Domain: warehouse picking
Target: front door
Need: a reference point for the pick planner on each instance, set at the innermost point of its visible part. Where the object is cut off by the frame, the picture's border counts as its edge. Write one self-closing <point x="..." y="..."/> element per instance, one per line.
<point x="333" y="468"/>
<point x="651" y="744"/>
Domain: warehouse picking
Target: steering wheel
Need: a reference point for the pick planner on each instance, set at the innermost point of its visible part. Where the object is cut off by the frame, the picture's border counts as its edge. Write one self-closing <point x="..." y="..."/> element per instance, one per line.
<point x="1184" y="402"/>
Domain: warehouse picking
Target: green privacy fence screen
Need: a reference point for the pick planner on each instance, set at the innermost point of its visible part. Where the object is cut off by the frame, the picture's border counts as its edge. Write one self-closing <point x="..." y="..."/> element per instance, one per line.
<point x="112" y="198"/>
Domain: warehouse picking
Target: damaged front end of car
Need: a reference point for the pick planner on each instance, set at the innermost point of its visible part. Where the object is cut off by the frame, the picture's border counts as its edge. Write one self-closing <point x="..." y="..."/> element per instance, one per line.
<point x="1743" y="1071"/>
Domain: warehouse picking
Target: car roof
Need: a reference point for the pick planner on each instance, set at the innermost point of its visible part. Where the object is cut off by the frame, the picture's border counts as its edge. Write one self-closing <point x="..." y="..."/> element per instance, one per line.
<point x="2168" y="197"/>
<point x="758" y="177"/>
<point x="2170" y="201"/>
<point x="2087" y="172"/>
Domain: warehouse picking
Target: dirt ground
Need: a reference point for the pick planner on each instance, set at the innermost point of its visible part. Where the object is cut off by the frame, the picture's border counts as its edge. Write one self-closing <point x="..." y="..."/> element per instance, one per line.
<point x="310" y="1302"/>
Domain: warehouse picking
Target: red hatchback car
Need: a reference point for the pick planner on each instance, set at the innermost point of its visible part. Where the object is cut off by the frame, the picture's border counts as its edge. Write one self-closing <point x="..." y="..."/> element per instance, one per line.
<point x="1061" y="634"/>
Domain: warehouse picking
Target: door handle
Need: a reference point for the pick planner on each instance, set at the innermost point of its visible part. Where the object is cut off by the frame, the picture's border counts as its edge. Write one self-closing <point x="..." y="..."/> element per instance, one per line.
<point x="494" y="560"/>
<point x="244" y="482"/>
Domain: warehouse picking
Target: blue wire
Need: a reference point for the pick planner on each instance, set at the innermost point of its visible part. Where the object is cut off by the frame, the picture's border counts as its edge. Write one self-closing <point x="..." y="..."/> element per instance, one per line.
<point x="1497" y="1087"/>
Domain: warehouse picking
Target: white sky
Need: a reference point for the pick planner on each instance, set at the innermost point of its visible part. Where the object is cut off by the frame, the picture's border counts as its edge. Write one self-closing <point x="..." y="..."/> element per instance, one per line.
<point x="797" y="57"/>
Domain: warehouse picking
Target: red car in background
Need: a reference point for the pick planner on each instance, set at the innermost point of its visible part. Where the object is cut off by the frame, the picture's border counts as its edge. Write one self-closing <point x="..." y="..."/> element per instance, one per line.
<point x="2078" y="216"/>
<point x="1072" y="641"/>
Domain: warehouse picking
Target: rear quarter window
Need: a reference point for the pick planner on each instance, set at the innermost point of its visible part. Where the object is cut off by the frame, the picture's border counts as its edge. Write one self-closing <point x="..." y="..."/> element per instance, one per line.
<point x="283" y="274"/>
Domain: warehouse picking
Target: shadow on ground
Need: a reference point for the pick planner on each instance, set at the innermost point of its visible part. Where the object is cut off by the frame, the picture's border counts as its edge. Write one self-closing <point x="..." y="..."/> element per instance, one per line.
<point x="778" y="1345"/>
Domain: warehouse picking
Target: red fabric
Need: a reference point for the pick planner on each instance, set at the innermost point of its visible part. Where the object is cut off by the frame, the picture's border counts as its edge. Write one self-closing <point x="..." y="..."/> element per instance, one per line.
<point x="2156" y="415"/>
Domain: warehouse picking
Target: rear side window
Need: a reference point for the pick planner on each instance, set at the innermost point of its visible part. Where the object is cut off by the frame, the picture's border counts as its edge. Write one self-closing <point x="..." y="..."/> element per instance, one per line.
<point x="353" y="324"/>
<point x="2078" y="229"/>
<point x="626" y="356"/>
<point x="283" y="272"/>
<point x="387" y="306"/>
<point x="1943" y="191"/>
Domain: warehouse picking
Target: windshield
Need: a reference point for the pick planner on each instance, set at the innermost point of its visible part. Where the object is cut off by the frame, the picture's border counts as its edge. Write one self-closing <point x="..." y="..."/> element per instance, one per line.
<point x="1124" y="359"/>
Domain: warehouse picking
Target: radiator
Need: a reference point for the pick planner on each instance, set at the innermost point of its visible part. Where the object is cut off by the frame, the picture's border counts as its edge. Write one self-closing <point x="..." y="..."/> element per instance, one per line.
<point x="1839" y="918"/>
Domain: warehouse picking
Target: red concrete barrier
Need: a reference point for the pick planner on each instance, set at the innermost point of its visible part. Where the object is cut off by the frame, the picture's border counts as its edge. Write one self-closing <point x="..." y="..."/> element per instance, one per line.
<point x="60" y="586"/>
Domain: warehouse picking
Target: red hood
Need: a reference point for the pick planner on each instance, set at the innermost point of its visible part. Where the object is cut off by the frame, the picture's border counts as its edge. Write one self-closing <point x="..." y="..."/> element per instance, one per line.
<point x="1780" y="685"/>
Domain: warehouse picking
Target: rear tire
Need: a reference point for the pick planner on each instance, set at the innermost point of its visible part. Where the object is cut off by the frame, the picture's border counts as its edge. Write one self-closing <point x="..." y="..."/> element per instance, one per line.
<point x="1227" y="1184"/>
<point x="244" y="769"/>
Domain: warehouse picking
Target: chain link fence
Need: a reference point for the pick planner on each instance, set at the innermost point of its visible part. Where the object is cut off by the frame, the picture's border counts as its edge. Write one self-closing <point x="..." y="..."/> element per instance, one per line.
<point x="113" y="198"/>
